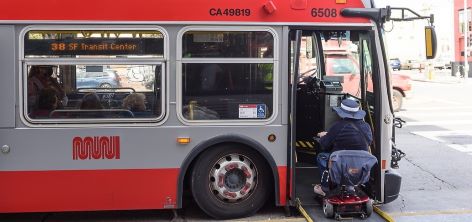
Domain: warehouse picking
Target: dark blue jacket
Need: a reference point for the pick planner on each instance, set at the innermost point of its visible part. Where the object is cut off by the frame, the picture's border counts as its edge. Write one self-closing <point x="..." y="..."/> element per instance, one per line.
<point x="343" y="136"/>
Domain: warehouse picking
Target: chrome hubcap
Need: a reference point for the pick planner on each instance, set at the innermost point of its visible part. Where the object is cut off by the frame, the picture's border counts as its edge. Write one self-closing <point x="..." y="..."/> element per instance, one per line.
<point x="233" y="178"/>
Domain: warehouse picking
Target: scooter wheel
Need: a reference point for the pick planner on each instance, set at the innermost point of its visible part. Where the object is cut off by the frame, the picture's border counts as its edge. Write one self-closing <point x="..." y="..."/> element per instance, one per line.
<point x="369" y="208"/>
<point x="328" y="209"/>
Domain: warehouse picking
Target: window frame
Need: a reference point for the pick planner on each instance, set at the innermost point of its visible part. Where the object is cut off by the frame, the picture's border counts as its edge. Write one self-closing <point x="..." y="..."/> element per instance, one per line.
<point x="460" y="14"/>
<point x="24" y="62"/>
<point x="180" y="60"/>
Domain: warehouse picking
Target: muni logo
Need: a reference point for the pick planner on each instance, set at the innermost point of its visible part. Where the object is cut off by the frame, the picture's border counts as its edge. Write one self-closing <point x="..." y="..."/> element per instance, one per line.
<point x="97" y="147"/>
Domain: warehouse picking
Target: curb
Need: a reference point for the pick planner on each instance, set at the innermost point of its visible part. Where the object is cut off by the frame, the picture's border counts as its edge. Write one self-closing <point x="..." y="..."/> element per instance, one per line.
<point x="250" y="219"/>
<point x="299" y="219"/>
<point x="436" y="81"/>
<point x="444" y="81"/>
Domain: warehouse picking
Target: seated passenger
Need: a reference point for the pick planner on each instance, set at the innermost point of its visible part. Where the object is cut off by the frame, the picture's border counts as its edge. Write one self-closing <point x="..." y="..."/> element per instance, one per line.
<point x="348" y="133"/>
<point x="47" y="102"/>
<point x="91" y="101"/>
<point x="135" y="103"/>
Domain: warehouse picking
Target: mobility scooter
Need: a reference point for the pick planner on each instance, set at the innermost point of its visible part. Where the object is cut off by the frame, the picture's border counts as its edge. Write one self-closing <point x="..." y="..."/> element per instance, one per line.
<point x="348" y="171"/>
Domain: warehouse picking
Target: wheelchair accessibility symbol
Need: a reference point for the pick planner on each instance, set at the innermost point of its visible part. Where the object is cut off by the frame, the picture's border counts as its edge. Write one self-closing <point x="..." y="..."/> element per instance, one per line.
<point x="261" y="111"/>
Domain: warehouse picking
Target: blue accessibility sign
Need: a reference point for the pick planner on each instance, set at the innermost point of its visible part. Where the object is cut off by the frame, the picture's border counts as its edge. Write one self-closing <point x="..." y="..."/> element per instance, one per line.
<point x="261" y="111"/>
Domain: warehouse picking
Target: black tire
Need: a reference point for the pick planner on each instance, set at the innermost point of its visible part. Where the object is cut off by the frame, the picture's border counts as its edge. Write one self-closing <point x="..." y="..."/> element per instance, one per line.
<point x="211" y="200"/>
<point x="397" y="100"/>
<point x="369" y="208"/>
<point x="328" y="209"/>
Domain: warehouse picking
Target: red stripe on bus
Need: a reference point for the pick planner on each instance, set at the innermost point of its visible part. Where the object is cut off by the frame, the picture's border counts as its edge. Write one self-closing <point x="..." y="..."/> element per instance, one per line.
<point x="88" y="190"/>
<point x="91" y="190"/>
<point x="282" y="184"/>
<point x="176" y="10"/>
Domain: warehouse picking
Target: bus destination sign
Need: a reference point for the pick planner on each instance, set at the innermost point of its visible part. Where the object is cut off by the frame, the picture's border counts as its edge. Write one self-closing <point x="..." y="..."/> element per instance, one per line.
<point x="92" y="46"/>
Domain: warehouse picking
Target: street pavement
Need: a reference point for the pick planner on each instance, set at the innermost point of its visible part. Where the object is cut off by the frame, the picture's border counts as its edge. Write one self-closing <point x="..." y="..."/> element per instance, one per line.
<point x="444" y="76"/>
<point x="437" y="174"/>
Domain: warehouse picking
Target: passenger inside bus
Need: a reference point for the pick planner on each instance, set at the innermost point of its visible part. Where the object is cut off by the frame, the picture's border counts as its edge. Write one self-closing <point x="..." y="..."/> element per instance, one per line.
<point x="136" y="103"/>
<point x="91" y="101"/>
<point x="39" y="78"/>
<point x="47" y="102"/>
<point x="350" y="132"/>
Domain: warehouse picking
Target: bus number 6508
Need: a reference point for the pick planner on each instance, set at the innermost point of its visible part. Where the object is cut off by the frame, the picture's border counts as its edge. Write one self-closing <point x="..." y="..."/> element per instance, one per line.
<point x="324" y="12"/>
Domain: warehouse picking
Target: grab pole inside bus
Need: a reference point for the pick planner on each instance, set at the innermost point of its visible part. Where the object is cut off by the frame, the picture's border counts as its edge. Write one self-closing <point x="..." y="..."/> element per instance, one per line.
<point x="293" y="111"/>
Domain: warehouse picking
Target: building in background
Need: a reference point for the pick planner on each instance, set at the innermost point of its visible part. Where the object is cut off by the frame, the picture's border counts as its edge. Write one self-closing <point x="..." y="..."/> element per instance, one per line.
<point x="459" y="28"/>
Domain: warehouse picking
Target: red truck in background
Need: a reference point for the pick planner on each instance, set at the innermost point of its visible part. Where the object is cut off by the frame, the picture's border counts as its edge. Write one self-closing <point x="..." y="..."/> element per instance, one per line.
<point x="345" y="64"/>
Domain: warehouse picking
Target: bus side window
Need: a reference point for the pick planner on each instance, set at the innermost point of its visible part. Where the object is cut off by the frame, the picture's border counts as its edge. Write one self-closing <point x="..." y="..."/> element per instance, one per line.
<point x="93" y="82"/>
<point x="227" y="89"/>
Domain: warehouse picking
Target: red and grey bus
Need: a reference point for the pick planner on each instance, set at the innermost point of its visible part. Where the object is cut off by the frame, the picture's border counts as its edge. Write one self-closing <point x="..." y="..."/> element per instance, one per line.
<point x="122" y="105"/>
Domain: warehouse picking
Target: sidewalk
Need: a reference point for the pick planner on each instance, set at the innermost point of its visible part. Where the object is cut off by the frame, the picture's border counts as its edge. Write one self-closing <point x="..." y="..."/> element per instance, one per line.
<point x="438" y="76"/>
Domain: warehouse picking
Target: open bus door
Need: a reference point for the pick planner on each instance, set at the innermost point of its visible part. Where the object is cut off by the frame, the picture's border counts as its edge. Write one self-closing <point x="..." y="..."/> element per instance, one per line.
<point x="320" y="80"/>
<point x="317" y="89"/>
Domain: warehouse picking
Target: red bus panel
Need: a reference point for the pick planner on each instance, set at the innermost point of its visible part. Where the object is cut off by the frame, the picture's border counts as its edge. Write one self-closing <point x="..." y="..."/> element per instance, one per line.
<point x="90" y="190"/>
<point x="180" y="10"/>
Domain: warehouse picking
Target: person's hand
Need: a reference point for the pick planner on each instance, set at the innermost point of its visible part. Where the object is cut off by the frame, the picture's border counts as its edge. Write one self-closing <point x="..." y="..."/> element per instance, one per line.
<point x="321" y="134"/>
<point x="64" y="101"/>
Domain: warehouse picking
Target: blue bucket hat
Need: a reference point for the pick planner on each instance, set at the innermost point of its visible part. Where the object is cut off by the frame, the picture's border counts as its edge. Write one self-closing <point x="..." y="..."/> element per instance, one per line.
<point x="349" y="109"/>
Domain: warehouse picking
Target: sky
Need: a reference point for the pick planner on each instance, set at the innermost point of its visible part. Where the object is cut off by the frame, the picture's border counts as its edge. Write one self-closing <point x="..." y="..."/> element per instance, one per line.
<point x="403" y="37"/>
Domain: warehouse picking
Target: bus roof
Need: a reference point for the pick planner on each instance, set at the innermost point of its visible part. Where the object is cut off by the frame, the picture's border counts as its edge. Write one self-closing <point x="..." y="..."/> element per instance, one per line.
<point x="258" y="11"/>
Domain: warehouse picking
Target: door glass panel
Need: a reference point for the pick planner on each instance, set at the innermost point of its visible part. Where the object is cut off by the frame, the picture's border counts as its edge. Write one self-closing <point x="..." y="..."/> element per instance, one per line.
<point x="341" y="53"/>
<point x="342" y="62"/>
<point x="367" y="64"/>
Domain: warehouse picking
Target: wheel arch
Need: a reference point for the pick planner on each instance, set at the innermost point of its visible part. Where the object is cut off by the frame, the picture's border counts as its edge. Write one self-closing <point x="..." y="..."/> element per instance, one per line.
<point x="229" y="138"/>
<point x="399" y="90"/>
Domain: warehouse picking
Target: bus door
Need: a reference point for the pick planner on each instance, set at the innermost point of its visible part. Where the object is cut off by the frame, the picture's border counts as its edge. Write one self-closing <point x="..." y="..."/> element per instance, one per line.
<point x="328" y="66"/>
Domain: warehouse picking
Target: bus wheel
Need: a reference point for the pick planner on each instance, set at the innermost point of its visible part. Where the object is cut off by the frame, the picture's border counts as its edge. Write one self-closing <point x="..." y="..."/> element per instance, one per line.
<point x="229" y="182"/>
<point x="397" y="100"/>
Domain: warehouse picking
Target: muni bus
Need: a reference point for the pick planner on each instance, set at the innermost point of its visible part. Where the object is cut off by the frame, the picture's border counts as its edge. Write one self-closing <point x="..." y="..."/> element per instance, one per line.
<point x="123" y="105"/>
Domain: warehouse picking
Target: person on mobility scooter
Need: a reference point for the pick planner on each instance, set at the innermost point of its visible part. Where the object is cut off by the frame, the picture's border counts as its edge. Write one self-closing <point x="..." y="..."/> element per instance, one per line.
<point x="349" y="163"/>
<point x="348" y="171"/>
